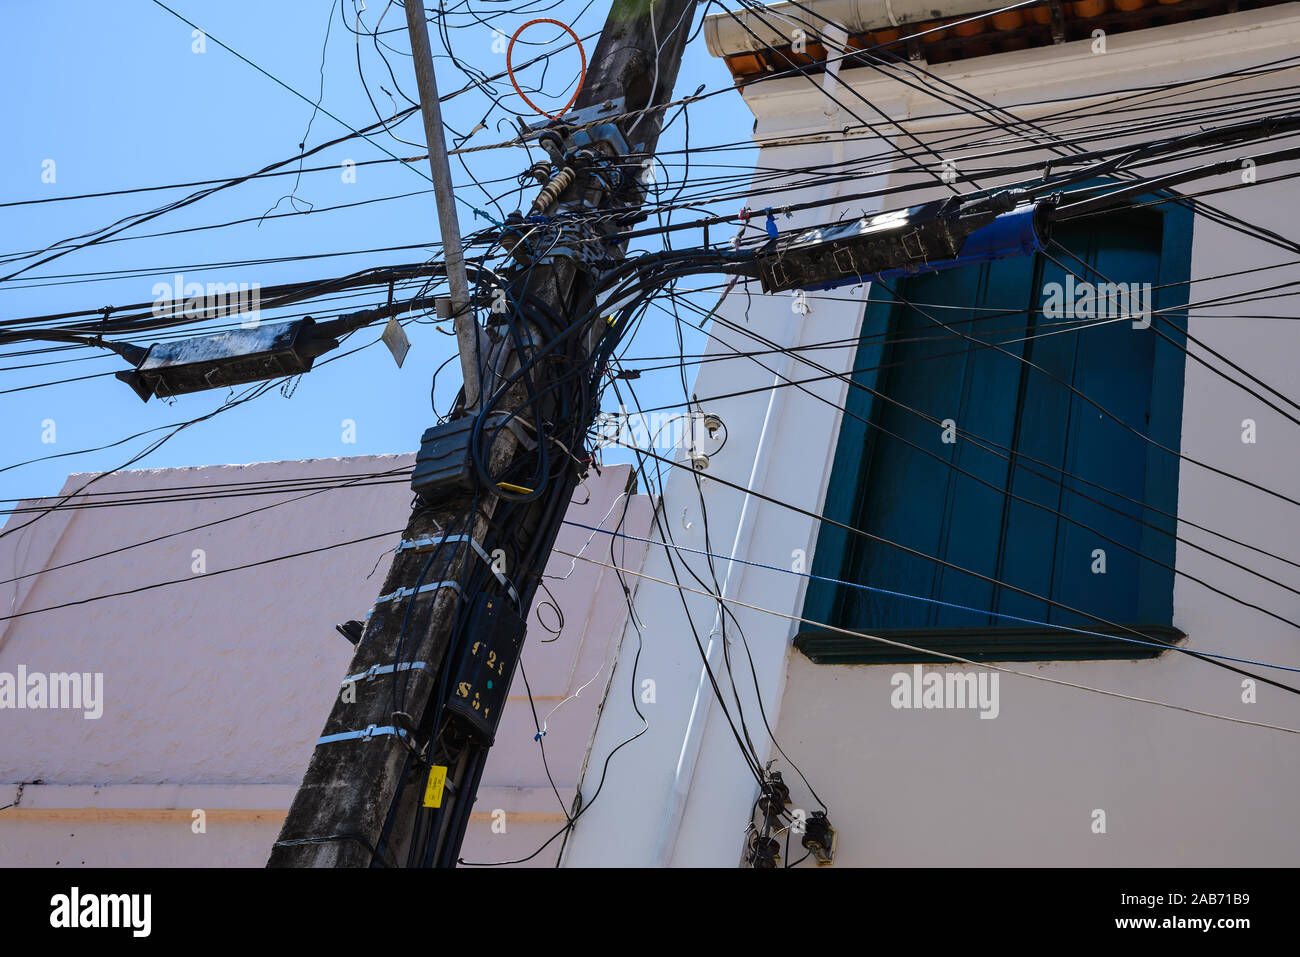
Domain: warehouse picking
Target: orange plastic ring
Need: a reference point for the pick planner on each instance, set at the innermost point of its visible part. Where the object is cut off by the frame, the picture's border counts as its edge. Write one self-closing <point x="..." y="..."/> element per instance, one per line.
<point x="582" y="78"/>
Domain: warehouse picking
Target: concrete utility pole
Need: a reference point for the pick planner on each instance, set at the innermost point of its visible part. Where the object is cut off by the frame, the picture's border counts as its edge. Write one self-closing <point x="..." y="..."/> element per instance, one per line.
<point x="361" y="799"/>
<point x="453" y="255"/>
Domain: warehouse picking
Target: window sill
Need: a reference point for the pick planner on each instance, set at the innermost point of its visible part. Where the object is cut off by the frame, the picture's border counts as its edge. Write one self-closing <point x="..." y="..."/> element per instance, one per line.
<point x="982" y="644"/>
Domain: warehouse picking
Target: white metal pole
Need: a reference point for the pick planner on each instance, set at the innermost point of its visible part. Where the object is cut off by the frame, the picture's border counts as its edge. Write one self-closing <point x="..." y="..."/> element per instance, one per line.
<point x="462" y="318"/>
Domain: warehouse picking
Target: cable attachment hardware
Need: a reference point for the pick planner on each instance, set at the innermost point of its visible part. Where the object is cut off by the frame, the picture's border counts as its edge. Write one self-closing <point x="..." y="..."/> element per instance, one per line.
<point x="764" y="852"/>
<point x="552" y="190"/>
<point x="539" y="171"/>
<point x="819" y="837"/>
<point x="374" y="671"/>
<point x="775" y="795"/>
<point x="367" y="733"/>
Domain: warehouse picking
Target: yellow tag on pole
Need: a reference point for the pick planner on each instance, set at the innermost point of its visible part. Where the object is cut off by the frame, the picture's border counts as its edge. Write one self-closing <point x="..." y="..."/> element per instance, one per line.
<point x="433" y="790"/>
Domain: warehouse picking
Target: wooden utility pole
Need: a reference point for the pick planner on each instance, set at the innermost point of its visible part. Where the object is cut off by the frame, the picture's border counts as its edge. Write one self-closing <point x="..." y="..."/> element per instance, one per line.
<point x="361" y="797"/>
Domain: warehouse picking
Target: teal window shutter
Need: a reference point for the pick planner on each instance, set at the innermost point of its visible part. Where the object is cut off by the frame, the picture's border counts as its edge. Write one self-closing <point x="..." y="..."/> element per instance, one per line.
<point x="954" y="446"/>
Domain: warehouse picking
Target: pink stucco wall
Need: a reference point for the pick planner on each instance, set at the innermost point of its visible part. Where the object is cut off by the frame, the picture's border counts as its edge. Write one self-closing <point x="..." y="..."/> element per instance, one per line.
<point x="215" y="687"/>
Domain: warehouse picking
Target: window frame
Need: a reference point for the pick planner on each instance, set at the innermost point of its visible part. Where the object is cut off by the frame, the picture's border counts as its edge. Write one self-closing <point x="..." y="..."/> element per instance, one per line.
<point x="1014" y="642"/>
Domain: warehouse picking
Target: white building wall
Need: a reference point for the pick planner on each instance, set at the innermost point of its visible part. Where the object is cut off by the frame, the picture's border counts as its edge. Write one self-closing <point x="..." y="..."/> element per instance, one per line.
<point x="947" y="788"/>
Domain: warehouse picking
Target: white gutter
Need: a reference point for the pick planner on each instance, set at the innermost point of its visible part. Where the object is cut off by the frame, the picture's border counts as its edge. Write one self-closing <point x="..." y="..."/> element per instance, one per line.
<point x="702" y="707"/>
<point x="724" y="33"/>
<point x="837" y="39"/>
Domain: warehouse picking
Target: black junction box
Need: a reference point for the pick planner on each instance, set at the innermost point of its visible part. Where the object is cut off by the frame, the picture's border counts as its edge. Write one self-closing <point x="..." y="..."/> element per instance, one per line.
<point x="444" y="465"/>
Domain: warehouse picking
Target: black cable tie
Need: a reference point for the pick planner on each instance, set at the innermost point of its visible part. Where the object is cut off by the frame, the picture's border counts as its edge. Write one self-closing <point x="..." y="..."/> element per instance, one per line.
<point x="103" y="326"/>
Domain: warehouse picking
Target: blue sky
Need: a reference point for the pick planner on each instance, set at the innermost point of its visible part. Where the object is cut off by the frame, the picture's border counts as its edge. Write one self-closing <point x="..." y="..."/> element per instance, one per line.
<point x="115" y="95"/>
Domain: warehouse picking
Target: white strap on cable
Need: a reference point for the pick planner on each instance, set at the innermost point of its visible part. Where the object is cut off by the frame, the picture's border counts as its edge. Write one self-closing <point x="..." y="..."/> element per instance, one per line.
<point x="374" y="671"/>
<point x="408" y="592"/>
<point x="514" y="425"/>
<point x="500" y="576"/>
<point x="427" y="544"/>
<point x="370" y="731"/>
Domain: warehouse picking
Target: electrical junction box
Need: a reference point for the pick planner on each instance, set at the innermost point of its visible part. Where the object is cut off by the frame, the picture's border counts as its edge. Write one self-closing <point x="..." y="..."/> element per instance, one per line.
<point x="858" y="249"/>
<point x="444" y="464"/>
<point x="492" y="641"/>
<point x="938" y="235"/>
<point x="233" y="357"/>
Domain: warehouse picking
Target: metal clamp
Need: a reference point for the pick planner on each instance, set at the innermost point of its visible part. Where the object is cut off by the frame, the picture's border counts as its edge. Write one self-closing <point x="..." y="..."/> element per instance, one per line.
<point x="592" y="125"/>
<point x="409" y="592"/>
<point x="426" y="544"/>
<point x="370" y="731"/>
<point x="374" y="671"/>
<point x="500" y="576"/>
<point x="514" y="425"/>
